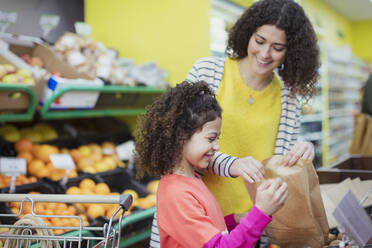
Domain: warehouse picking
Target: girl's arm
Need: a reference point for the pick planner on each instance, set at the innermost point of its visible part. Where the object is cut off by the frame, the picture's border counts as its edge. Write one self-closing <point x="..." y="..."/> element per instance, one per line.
<point x="271" y="195"/>
<point x="245" y="234"/>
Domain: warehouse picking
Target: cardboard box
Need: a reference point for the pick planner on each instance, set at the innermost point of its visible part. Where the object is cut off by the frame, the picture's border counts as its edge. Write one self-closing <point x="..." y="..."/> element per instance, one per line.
<point x="19" y="101"/>
<point x="71" y="99"/>
<point x="71" y="77"/>
<point x="51" y="61"/>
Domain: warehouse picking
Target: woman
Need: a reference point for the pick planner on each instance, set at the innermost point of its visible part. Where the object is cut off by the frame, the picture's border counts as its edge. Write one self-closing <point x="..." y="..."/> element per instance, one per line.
<point x="261" y="112"/>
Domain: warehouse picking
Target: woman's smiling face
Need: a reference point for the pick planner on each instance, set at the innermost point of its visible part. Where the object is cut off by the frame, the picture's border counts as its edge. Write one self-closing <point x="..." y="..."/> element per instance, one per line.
<point x="267" y="49"/>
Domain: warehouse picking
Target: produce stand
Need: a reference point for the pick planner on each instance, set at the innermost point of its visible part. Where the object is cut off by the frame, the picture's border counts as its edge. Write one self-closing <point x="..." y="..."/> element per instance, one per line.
<point x="134" y="108"/>
<point x="25" y="116"/>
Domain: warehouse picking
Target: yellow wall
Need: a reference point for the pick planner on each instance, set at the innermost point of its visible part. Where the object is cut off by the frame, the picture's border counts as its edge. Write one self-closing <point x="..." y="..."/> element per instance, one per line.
<point x="362" y="40"/>
<point x="330" y="21"/>
<point x="173" y="33"/>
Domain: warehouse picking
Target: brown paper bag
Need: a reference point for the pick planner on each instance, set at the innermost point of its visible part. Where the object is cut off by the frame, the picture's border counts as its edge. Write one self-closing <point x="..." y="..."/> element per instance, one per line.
<point x="366" y="146"/>
<point x="302" y="222"/>
<point x="360" y="125"/>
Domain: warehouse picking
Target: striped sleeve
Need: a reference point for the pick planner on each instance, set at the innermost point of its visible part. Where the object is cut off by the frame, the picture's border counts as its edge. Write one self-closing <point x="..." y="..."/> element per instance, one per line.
<point x="155" y="238"/>
<point x="221" y="163"/>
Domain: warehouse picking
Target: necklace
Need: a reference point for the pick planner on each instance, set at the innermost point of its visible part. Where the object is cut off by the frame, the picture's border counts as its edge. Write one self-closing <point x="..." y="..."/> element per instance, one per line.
<point x="250" y="98"/>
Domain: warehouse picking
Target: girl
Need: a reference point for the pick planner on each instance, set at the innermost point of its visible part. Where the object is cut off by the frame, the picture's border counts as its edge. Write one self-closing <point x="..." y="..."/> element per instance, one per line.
<point x="178" y="135"/>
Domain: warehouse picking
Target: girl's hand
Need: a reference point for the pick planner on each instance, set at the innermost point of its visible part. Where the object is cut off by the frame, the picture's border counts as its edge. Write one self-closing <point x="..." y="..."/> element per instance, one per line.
<point x="271" y="196"/>
<point x="249" y="168"/>
<point x="304" y="150"/>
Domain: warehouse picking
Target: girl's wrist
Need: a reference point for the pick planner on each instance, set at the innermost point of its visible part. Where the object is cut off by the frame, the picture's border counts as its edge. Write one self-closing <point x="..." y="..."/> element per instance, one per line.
<point x="238" y="217"/>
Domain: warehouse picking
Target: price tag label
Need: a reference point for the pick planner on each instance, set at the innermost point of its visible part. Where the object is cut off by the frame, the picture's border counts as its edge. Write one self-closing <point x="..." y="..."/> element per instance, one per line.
<point x="8" y="17"/>
<point x="49" y="20"/>
<point x="62" y="161"/>
<point x="107" y="151"/>
<point x="48" y="23"/>
<point x="83" y="29"/>
<point x="12" y="166"/>
<point x="125" y="151"/>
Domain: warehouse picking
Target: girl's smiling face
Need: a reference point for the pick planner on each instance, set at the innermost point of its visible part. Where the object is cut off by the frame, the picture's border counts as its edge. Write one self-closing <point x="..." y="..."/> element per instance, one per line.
<point x="199" y="149"/>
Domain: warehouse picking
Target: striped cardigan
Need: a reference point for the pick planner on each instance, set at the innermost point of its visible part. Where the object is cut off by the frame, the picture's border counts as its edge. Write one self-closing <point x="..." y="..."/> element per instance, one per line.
<point x="210" y="70"/>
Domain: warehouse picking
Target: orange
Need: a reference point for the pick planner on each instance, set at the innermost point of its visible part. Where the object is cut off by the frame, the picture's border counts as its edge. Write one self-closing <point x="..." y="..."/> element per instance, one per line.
<point x="87" y="183"/>
<point x="153" y="186"/>
<point x="102" y="189"/>
<point x="151" y="199"/>
<point x="86" y="192"/>
<point x="26" y="155"/>
<point x="109" y="146"/>
<point x="110" y="161"/>
<point x="95" y="148"/>
<point x="73" y="191"/>
<point x="101" y="166"/>
<point x="111" y="211"/>
<point x="35" y="166"/>
<point x="75" y="154"/>
<point x="44" y="151"/>
<point x="90" y="170"/>
<point x="95" y="210"/>
<point x="23" y="145"/>
<point x="43" y="172"/>
<point x="84" y="151"/>
<point x="84" y="163"/>
<point x="132" y="192"/>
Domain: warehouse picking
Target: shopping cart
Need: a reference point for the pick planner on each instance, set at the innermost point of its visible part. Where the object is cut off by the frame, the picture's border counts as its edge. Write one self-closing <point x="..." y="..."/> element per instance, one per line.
<point x="31" y="233"/>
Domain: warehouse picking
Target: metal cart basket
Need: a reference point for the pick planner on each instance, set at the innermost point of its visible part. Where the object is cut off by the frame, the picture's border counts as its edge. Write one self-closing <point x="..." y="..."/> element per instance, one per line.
<point x="33" y="233"/>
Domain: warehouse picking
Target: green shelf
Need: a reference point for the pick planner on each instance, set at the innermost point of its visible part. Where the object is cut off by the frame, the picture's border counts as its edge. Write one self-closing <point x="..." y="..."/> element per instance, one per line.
<point x="133" y="218"/>
<point x="138" y="93"/>
<point x="25" y="116"/>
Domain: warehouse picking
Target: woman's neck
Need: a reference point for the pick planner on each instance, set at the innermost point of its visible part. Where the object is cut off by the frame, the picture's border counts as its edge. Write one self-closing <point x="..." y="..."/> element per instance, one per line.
<point x="251" y="79"/>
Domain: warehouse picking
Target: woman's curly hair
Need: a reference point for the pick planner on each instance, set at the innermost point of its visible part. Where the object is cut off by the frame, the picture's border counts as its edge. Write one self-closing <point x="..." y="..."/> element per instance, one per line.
<point x="301" y="63"/>
<point x="169" y="122"/>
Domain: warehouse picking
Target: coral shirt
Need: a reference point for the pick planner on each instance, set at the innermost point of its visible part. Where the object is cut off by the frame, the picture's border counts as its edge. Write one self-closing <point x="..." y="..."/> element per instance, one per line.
<point x="187" y="213"/>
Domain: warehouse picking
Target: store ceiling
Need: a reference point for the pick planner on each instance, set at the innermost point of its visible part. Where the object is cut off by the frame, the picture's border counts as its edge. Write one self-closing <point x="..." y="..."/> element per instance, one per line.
<point x="354" y="10"/>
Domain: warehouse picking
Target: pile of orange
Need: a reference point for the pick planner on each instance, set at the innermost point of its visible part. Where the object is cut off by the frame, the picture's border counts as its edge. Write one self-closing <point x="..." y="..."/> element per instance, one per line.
<point x="147" y="201"/>
<point x="38" y="161"/>
<point x="5" y="180"/>
<point x="88" y="186"/>
<point x="90" y="158"/>
<point x="52" y="208"/>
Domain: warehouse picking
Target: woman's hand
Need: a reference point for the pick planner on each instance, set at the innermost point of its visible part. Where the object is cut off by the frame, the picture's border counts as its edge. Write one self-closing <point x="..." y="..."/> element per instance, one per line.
<point x="271" y="196"/>
<point x="304" y="150"/>
<point x="249" y="168"/>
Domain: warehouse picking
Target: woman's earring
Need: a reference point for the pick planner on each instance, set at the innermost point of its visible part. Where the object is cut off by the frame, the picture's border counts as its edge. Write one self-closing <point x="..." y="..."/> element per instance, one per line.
<point x="281" y="67"/>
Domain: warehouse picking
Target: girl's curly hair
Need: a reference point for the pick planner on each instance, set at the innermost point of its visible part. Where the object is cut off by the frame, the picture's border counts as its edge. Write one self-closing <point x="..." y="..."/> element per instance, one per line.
<point x="169" y="122"/>
<point x="301" y="63"/>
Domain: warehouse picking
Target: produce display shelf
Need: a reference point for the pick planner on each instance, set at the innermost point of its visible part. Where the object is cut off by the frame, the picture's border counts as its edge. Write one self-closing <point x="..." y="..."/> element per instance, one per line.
<point x="25" y="116"/>
<point x="133" y="218"/>
<point x="47" y="113"/>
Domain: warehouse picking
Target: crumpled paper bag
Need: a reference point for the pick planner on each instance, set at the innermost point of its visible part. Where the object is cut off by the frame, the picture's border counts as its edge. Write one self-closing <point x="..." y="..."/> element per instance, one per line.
<point x="302" y="222"/>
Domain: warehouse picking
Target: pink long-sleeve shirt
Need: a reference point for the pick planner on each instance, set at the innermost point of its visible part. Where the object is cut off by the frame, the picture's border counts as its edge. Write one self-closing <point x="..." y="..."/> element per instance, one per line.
<point x="189" y="216"/>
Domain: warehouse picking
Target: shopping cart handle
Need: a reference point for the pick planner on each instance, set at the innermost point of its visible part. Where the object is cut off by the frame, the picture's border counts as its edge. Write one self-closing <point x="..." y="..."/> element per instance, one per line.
<point x="126" y="201"/>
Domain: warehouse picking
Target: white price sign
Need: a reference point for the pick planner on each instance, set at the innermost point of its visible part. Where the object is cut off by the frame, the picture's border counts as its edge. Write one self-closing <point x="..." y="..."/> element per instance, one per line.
<point x="49" y="20"/>
<point x="62" y="161"/>
<point x="8" y="17"/>
<point x="12" y="166"/>
<point x="83" y="29"/>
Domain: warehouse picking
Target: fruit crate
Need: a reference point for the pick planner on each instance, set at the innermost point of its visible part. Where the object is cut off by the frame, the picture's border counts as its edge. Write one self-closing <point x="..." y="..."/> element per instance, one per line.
<point x="17" y="102"/>
<point x="137" y="225"/>
<point x="136" y="99"/>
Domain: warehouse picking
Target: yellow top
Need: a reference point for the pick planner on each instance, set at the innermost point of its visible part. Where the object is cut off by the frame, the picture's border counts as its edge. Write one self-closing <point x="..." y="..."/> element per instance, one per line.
<point x="248" y="129"/>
